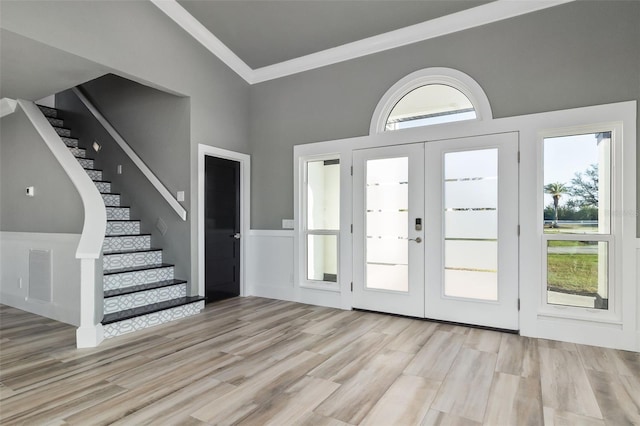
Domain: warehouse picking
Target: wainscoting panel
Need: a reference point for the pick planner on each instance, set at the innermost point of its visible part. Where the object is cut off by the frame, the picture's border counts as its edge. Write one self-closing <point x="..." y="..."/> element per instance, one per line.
<point x="56" y="277"/>
<point x="270" y="265"/>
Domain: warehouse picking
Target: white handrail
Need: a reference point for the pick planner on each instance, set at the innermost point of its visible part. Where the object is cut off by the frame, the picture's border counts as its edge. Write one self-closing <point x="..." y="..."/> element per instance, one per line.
<point x="95" y="215"/>
<point x="90" y="333"/>
<point x="166" y="194"/>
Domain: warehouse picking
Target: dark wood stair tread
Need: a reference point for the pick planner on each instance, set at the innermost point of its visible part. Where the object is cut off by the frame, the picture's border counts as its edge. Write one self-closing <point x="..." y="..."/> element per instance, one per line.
<point x="142" y="287"/>
<point x="149" y="309"/>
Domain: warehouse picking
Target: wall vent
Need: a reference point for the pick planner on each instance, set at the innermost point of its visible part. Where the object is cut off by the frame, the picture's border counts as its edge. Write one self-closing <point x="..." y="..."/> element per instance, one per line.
<point x="40" y="275"/>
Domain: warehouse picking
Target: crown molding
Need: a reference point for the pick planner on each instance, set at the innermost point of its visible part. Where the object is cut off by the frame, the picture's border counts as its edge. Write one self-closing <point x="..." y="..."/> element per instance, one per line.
<point x="481" y="15"/>
<point x="191" y="25"/>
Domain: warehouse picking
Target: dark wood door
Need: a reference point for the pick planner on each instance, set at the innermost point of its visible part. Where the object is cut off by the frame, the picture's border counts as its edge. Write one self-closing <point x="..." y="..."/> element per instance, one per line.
<point x="222" y="228"/>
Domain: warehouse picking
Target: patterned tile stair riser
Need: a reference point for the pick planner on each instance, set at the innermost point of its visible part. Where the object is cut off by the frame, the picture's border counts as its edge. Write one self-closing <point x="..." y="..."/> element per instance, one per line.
<point x="125" y="227"/>
<point x="138" y="277"/>
<point x="143" y="298"/>
<point x="131" y="260"/>
<point x="139" y="290"/>
<point x="128" y="242"/>
<point x="156" y="318"/>
<point x="103" y="187"/>
<point x="118" y="213"/>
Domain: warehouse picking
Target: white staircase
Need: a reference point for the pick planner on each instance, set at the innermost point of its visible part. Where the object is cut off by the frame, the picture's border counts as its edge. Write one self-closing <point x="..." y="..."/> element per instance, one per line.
<point x="140" y="290"/>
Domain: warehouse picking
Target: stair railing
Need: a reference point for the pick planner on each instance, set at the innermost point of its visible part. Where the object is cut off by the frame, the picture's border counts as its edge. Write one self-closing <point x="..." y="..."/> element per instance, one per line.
<point x="146" y="171"/>
<point x="89" y="251"/>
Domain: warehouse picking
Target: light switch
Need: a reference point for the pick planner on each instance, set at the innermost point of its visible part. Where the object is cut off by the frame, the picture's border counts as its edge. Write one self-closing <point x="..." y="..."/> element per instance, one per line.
<point x="30" y="191"/>
<point x="119" y="169"/>
<point x="180" y="195"/>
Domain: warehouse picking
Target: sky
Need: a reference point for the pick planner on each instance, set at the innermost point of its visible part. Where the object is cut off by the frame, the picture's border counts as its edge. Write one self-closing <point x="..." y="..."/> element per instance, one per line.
<point x="564" y="156"/>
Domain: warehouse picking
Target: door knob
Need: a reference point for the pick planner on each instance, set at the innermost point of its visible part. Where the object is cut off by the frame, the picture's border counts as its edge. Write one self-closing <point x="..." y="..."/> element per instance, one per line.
<point x="417" y="240"/>
<point x="236" y="236"/>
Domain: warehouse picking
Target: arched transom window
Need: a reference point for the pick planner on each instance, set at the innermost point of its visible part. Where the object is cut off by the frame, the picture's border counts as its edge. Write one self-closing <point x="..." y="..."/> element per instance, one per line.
<point x="428" y="97"/>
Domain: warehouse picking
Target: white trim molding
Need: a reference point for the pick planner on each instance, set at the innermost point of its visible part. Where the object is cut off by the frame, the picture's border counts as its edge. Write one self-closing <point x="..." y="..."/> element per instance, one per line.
<point x="146" y="171"/>
<point x="191" y="25"/>
<point x="435" y="75"/>
<point x="245" y="210"/>
<point x="621" y="334"/>
<point x="474" y="17"/>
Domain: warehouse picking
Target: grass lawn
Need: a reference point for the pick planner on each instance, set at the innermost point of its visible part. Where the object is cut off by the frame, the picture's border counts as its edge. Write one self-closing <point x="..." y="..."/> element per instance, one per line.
<point x="572" y="272"/>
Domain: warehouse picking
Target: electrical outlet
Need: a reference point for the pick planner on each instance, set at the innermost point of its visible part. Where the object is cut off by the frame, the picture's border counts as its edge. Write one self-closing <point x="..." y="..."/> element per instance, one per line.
<point x="288" y="223"/>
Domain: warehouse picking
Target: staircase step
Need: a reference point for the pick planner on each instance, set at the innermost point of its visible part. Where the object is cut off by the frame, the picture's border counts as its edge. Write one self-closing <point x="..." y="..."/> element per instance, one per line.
<point x="118" y="213"/>
<point x="55" y="122"/>
<point x="94" y="174"/>
<point x="123" y="227"/>
<point x="123" y="278"/>
<point x="126" y="242"/>
<point x="48" y="112"/>
<point x="111" y="200"/>
<point x="70" y="142"/>
<point x="147" y="296"/>
<point x="78" y="152"/>
<point x="130" y="258"/>
<point x="86" y="163"/>
<point x="142" y="287"/>
<point x="103" y="186"/>
<point x="61" y="131"/>
<point x="123" y="322"/>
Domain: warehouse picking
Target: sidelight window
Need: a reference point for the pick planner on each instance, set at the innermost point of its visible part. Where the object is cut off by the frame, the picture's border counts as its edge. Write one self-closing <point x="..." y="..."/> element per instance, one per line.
<point x="322" y="219"/>
<point x="577" y="229"/>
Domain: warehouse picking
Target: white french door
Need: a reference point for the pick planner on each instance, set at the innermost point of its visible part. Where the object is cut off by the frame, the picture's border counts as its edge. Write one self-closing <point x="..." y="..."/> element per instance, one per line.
<point x="388" y="199"/>
<point x="435" y="230"/>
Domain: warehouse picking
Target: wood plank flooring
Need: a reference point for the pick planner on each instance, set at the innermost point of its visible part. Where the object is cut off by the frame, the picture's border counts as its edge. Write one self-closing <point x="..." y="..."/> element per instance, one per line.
<point x="254" y="361"/>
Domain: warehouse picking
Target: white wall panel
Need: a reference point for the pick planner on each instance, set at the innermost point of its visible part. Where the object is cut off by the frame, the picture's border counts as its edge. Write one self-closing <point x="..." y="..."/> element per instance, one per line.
<point x="270" y="265"/>
<point x="14" y="275"/>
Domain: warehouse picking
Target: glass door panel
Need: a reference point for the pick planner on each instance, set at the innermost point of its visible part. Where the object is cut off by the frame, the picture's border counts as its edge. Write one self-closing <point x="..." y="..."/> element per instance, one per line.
<point x="387" y="222"/>
<point x="388" y="198"/>
<point x="471" y="225"/>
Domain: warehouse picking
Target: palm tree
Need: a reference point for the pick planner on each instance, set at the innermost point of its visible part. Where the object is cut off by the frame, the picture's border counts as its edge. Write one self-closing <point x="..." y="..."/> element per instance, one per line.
<point x="556" y="190"/>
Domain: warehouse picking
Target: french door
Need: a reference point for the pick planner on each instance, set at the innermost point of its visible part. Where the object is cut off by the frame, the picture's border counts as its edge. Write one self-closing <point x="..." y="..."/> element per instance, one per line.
<point x="435" y="230"/>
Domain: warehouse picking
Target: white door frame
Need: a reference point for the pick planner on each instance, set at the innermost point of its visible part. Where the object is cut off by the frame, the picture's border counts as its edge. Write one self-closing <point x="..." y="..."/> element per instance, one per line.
<point x="245" y="211"/>
<point x="533" y="322"/>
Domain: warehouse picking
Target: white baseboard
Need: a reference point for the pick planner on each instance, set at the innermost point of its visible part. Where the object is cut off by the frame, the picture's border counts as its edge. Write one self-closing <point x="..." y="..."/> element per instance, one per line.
<point x="271" y="292"/>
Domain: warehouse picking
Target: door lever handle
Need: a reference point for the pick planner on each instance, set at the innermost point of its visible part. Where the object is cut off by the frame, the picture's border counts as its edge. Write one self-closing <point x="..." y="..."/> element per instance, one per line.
<point x="236" y="235"/>
<point x="417" y="240"/>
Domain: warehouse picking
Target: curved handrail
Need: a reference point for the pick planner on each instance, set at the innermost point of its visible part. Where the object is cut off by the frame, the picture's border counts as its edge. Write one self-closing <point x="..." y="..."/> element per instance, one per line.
<point x="146" y="171"/>
<point x="95" y="215"/>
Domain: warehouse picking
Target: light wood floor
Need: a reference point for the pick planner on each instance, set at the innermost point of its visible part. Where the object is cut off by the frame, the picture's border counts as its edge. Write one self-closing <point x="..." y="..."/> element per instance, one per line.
<point x="257" y="361"/>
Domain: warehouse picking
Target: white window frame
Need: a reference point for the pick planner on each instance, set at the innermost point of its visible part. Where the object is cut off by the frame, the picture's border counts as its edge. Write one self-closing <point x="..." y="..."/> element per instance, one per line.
<point x="305" y="231"/>
<point x="437" y="75"/>
<point x="613" y="239"/>
<point x="622" y="331"/>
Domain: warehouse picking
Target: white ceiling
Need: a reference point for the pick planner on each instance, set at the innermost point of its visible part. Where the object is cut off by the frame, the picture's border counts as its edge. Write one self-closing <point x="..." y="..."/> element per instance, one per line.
<point x="266" y="39"/>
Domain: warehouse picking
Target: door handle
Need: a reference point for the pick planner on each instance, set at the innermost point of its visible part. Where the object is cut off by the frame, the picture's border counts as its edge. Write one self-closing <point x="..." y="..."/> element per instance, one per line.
<point x="417" y="240"/>
<point x="236" y="235"/>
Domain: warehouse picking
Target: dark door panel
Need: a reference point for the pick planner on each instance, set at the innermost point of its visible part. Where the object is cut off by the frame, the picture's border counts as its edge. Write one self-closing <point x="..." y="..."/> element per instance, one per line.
<point x="222" y="222"/>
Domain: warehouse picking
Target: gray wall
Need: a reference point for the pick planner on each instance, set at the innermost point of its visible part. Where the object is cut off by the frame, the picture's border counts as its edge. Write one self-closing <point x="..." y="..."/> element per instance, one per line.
<point x="137" y="41"/>
<point x="156" y="126"/>
<point x="575" y="55"/>
<point x="25" y="160"/>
